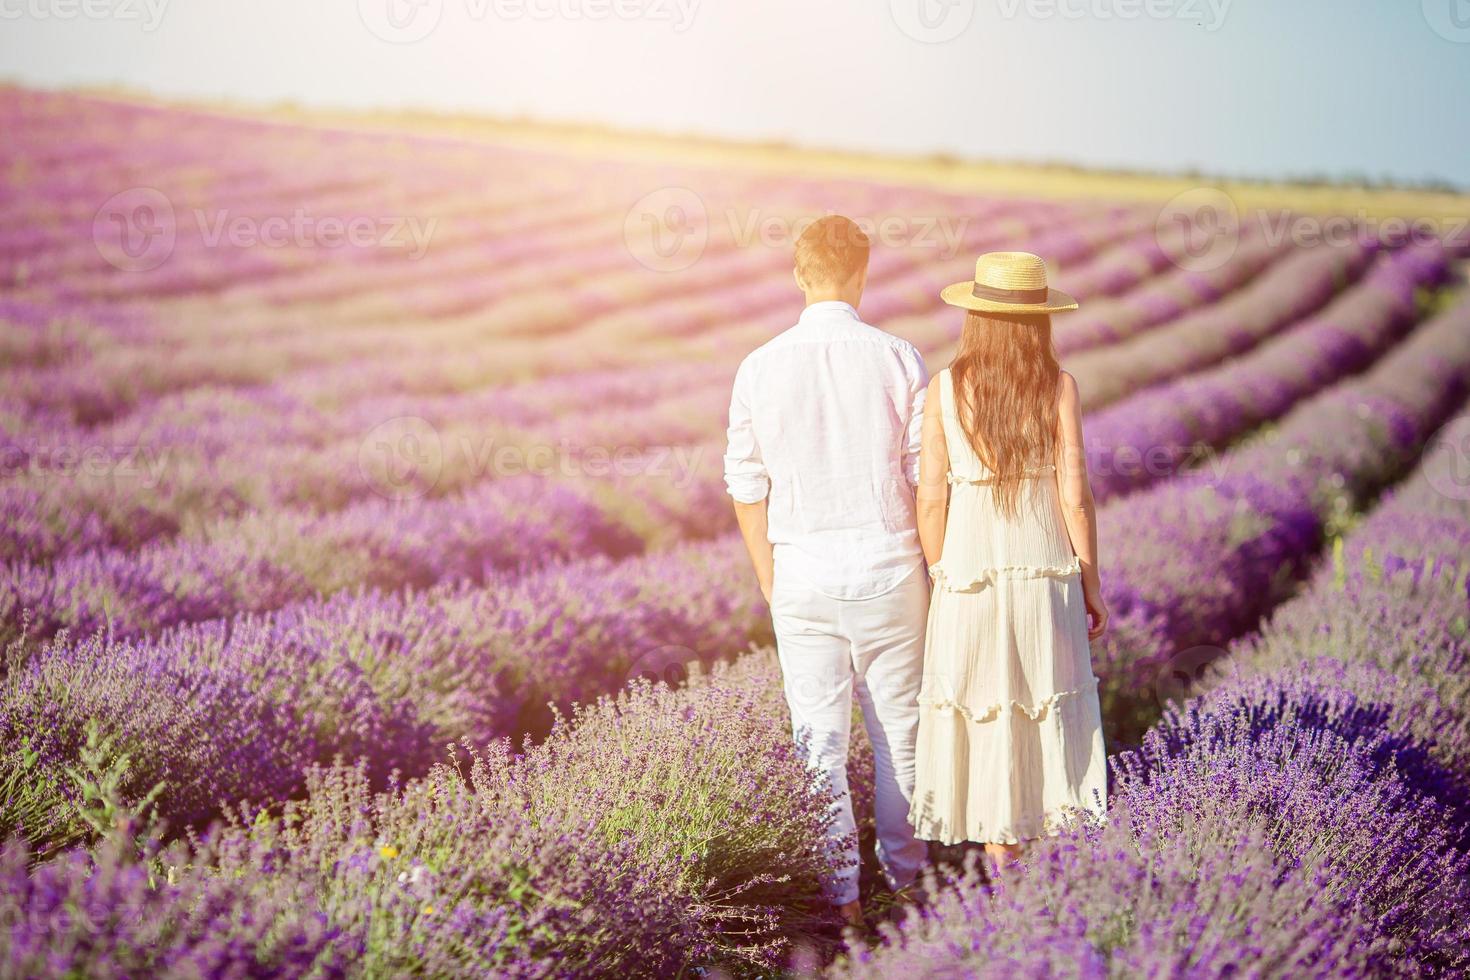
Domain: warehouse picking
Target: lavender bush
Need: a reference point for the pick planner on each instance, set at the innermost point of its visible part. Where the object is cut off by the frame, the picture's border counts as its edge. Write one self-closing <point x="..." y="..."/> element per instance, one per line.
<point x="116" y="912"/>
<point x="1103" y="901"/>
<point x="659" y="829"/>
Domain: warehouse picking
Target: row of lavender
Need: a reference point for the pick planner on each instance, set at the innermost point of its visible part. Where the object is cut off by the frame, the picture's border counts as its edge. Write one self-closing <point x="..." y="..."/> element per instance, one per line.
<point x="1308" y="815"/>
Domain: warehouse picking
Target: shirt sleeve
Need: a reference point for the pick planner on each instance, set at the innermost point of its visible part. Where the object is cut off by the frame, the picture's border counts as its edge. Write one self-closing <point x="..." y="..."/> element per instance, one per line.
<point x="746" y="478"/>
<point x="918" y="379"/>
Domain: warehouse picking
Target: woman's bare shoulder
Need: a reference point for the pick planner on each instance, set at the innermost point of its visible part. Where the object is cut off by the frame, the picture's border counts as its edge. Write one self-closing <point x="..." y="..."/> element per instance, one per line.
<point x="1067" y="388"/>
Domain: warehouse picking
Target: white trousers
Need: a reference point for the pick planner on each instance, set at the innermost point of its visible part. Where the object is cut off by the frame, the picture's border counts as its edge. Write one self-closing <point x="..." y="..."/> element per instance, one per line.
<point x="831" y="649"/>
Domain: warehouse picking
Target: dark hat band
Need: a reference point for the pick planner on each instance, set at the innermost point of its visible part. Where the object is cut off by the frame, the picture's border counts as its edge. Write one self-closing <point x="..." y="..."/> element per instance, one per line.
<point x="1011" y="295"/>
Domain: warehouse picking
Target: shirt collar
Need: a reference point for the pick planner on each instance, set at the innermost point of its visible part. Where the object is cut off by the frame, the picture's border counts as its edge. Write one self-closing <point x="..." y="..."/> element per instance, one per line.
<point x="827" y="307"/>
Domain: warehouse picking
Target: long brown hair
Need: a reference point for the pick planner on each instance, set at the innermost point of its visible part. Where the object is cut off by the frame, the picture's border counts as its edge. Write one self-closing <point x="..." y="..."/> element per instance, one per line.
<point x="1005" y="381"/>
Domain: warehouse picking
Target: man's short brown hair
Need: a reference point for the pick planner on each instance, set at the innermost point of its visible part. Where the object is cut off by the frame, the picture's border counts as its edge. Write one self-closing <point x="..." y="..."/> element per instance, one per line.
<point x="831" y="251"/>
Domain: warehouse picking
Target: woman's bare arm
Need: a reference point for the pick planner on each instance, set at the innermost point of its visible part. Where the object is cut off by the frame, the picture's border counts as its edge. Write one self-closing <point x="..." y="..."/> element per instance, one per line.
<point x="932" y="494"/>
<point x="1079" y="510"/>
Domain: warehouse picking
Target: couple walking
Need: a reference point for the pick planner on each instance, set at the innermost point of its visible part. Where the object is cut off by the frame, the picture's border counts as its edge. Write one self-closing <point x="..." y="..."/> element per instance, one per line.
<point x="851" y="472"/>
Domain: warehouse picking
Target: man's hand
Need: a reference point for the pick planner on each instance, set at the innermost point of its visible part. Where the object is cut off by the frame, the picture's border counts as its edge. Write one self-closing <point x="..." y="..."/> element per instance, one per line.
<point x="752" y="521"/>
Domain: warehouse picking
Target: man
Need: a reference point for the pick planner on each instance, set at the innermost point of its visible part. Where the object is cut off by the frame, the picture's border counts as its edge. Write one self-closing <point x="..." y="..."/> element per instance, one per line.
<point x="823" y="458"/>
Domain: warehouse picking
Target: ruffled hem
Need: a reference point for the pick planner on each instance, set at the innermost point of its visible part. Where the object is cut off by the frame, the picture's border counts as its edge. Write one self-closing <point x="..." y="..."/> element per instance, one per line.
<point x="1049" y="824"/>
<point x="989" y="576"/>
<point x="1036" y="712"/>
<point x="936" y="831"/>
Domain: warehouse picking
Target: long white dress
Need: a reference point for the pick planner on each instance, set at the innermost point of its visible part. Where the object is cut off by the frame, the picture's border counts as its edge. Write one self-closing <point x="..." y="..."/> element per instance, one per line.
<point x="1010" y="733"/>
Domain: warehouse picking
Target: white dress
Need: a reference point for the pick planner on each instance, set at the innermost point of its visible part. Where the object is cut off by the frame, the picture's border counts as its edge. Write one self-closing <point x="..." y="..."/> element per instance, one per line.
<point x="1010" y="733"/>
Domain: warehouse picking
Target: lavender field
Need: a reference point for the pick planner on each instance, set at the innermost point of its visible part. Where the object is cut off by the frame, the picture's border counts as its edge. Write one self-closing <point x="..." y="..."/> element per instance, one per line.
<point x="371" y="603"/>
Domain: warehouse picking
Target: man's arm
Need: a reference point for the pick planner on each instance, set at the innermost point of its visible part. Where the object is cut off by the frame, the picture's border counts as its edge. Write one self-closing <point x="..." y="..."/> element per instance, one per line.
<point x="918" y="377"/>
<point x="753" y="528"/>
<point x="748" y="482"/>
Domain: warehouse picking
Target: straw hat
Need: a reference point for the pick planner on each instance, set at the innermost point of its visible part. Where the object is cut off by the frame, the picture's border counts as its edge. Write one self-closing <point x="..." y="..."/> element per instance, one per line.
<point x="1008" y="282"/>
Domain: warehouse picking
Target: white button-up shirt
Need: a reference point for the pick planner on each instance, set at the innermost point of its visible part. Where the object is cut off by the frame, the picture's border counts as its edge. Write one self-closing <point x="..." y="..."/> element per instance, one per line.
<point x="826" y="419"/>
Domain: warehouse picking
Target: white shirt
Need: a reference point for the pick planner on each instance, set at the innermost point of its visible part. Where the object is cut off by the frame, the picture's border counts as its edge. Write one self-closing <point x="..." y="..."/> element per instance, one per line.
<point x="826" y="419"/>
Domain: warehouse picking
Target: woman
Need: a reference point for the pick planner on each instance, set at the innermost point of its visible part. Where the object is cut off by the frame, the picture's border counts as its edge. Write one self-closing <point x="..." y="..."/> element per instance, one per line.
<point x="1010" y="735"/>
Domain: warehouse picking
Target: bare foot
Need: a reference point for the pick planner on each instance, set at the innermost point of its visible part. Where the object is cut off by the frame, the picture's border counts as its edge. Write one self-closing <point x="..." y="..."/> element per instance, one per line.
<point x="852" y="914"/>
<point x="1003" y="856"/>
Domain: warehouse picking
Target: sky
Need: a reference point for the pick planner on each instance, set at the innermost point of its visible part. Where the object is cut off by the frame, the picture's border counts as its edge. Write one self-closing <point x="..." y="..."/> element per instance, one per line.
<point x="1264" y="88"/>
